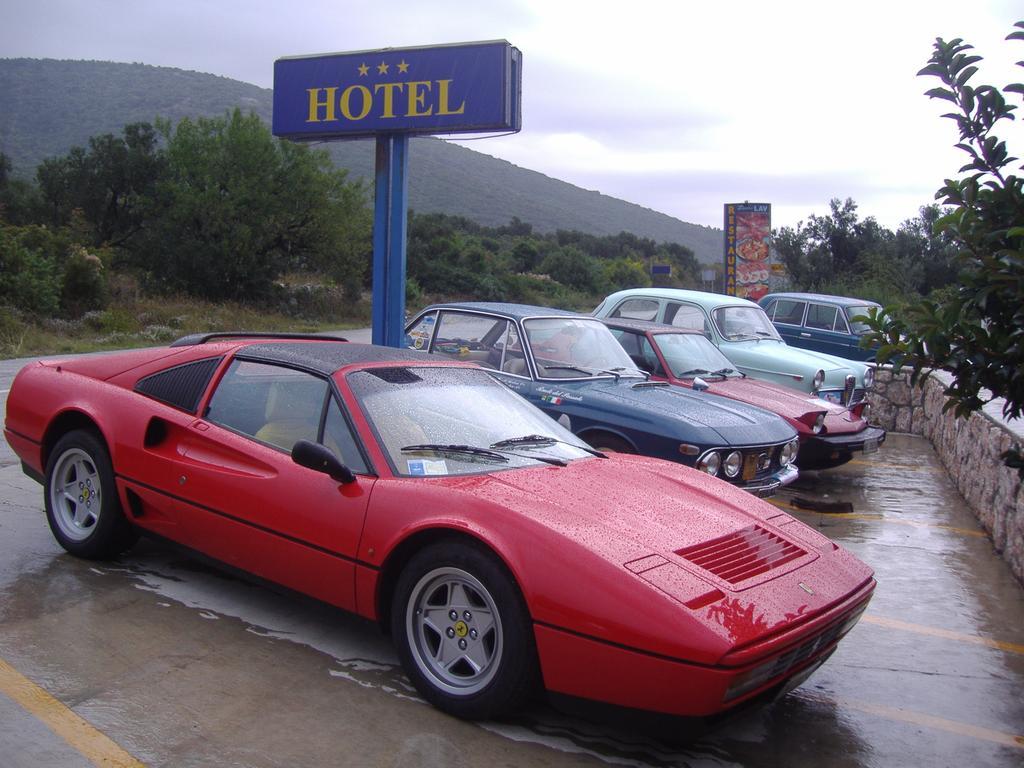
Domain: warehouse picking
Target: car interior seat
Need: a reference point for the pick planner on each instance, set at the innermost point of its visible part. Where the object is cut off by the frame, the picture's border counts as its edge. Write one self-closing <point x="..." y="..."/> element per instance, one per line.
<point x="515" y="365"/>
<point x="290" y="416"/>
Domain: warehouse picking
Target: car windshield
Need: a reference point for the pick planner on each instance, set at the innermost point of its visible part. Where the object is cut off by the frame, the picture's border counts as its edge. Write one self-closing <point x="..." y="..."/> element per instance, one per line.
<point x="455" y="421"/>
<point x="743" y="323"/>
<point x="859" y="326"/>
<point x="570" y="347"/>
<point x="691" y="354"/>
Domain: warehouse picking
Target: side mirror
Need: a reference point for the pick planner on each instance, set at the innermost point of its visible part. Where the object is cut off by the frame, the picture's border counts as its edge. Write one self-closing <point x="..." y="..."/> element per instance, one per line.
<point x="699" y="385"/>
<point x="321" y="459"/>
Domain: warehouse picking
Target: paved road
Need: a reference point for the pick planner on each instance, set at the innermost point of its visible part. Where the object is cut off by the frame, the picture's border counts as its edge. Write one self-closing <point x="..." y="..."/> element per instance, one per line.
<point x="160" y="660"/>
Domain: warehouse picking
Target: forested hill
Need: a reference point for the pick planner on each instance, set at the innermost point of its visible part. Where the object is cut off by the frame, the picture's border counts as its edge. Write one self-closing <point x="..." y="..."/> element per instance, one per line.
<point x="48" y="106"/>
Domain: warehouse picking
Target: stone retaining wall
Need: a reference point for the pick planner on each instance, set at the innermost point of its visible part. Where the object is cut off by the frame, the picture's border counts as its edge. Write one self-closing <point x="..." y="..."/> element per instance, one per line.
<point x="969" y="448"/>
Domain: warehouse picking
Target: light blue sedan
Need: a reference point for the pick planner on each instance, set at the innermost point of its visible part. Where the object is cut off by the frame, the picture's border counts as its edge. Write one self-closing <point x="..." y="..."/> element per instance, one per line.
<point x="745" y="335"/>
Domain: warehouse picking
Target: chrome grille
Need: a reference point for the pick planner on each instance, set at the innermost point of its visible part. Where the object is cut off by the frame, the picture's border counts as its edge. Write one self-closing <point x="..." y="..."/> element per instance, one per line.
<point x="851" y="382"/>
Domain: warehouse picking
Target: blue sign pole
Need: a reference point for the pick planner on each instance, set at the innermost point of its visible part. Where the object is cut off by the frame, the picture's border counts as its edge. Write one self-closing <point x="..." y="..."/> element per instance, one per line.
<point x="381" y="208"/>
<point x="389" y="234"/>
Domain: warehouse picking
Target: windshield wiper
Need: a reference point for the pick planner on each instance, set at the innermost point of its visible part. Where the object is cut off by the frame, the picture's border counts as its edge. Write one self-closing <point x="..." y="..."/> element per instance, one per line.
<point x="541" y="441"/>
<point x="538" y="440"/>
<point x="567" y="368"/>
<point x="464" y="450"/>
<point x="694" y="372"/>
<point x="621" y="371"/>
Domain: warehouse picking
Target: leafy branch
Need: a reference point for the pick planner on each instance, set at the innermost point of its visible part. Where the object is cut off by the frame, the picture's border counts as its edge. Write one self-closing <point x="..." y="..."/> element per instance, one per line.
<point x="976" y="330"/>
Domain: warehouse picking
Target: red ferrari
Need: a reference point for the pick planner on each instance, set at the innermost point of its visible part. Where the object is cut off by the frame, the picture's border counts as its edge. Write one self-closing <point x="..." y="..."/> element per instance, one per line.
<point x="503" y="554"/>
<point x="829" y="434"/>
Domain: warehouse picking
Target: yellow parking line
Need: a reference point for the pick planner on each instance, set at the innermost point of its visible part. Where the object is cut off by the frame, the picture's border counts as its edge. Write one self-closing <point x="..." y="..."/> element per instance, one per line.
<point x="80" y="735"/>
<point x="921" y="719"/>
<point x="883" y="518"/>
<point x="944" y="633"/>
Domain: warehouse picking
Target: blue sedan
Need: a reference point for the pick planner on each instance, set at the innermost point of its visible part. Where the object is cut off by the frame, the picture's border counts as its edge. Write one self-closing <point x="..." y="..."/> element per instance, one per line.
<point x="571" y="367"/>
<point x="822" y="323"/>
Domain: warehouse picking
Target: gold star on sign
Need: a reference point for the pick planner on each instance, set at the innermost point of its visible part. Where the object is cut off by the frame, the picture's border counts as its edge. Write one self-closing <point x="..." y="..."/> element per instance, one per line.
<point x="363" y="70"/>
<point x="382" y="68"/>
<point x="402" y="67"/>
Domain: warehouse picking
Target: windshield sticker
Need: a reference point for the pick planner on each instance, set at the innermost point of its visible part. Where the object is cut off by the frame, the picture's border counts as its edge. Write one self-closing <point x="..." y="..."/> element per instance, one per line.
<point x="558" y="394"/>
<point x="424" y="467"/>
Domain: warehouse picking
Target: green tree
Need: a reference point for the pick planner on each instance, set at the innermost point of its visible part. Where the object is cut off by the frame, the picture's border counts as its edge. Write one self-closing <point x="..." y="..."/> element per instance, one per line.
<point x="28" y="274"/>
<point x="975" y="331"/>
<point x="107" y="183"/>
<point x="572" y="267"/>
<point x="19" y="201"/>
<point x="236" y="208"/>
<point x="829" y="247"/>
<point x="626" y="273"/>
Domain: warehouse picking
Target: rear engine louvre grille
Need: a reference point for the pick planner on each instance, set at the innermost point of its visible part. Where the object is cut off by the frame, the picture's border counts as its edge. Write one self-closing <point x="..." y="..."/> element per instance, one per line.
<point x="742" y="555"/>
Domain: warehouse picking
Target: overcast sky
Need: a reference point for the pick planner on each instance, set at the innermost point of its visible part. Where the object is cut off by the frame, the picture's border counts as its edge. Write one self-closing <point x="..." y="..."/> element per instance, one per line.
<point x="678" y="106"/>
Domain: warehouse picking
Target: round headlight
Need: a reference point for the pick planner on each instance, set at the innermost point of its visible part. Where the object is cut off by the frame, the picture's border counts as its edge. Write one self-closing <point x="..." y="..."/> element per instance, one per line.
<point x="819" y="423"/>
<point x="710" y="462"/>
<point x="788" y="452"/>
<point x="869" y="377"/>
<point x="732" y="464"/>
<point x="818" y="380"/>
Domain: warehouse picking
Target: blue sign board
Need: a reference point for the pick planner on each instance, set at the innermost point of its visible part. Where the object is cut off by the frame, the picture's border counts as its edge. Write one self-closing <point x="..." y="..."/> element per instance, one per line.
<point x="462" y="88"/>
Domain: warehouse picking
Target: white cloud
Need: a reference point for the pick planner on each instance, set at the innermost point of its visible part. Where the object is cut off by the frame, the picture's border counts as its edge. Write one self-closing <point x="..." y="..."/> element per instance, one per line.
<point x="789" y="102"/>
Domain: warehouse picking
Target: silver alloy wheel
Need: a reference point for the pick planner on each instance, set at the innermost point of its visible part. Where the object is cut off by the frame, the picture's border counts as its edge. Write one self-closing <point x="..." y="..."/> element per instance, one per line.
<point x="76" y="494"/>
<point x="454" y="631"/>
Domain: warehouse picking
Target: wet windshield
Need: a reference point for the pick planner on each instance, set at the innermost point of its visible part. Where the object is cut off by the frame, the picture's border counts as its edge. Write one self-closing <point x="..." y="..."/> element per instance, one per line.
<point x="744" y="323"/>
<point x="691" y="354"/>
<point x="570" y="347"/>
<point x="453" y="421"/>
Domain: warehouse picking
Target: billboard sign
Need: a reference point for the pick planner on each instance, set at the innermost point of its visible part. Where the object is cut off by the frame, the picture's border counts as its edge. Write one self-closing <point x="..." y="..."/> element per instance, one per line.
<point x="748" y="228"/>
<point x="444" y="89"/>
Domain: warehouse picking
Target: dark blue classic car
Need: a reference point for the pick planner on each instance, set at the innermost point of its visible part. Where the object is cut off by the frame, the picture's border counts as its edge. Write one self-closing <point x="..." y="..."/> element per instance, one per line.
<point x="822" y="323"/>
<point x="571" y="367"/>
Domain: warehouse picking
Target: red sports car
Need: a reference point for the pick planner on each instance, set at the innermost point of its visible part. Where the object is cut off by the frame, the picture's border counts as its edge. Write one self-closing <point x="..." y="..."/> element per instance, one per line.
<point x="503" y="554"/>
<point x="829" y="434"/>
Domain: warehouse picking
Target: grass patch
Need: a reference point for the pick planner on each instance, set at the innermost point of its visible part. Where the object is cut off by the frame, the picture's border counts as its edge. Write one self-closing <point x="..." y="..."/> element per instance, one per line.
<point x="148" y="322"/>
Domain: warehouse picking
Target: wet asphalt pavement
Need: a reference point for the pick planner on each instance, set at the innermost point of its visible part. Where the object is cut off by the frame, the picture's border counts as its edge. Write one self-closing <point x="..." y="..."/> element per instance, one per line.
<point x="160" y="660"/>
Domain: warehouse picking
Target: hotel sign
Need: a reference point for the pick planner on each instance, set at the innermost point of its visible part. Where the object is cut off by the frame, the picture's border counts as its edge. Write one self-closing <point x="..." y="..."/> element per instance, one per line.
<point x="446" y="89"/>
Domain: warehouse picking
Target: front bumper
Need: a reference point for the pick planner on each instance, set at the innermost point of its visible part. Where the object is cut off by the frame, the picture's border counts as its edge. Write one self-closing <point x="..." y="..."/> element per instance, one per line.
<point x="832" y="450"/>
<point x="768" y="486"/>
<point x="639" y="680"/>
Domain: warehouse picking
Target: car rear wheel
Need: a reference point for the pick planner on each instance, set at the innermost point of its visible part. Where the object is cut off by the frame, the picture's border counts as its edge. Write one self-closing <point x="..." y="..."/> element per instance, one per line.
<point x="463" y="632"/>
<point x="81" y="501"/>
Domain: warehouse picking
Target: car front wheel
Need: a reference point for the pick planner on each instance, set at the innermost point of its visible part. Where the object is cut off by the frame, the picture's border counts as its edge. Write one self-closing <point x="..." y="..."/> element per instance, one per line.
<point x="81" y="501"/>
<point x="463" y="632"/>
<point x="610" y="444"/>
